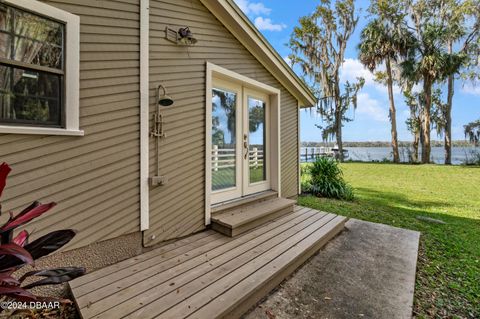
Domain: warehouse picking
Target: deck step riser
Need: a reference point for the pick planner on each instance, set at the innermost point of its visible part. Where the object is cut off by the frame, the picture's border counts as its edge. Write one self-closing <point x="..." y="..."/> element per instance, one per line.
<point x="259" y="222"/>
<point x="235" y="230"/>
<point x="262" y="221"/>
<point x="218" y="209"/>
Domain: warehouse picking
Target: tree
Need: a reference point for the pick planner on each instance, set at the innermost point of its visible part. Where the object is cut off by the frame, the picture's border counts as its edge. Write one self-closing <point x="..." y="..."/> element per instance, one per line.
<point x="465" y="35"/>
<point x="383" y="41"/>
<point x="228" y="102"/>
<point x="431" y="63"/>
<point x="318" y="47"/>
<point x="472" y="131"/>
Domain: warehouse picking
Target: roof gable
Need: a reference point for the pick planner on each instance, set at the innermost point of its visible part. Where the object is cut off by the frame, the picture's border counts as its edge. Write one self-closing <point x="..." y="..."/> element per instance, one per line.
<point x="228" y="13"/>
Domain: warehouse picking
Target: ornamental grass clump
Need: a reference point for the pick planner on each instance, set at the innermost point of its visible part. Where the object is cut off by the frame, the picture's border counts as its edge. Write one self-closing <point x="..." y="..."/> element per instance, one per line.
<point x="326" y="180"/>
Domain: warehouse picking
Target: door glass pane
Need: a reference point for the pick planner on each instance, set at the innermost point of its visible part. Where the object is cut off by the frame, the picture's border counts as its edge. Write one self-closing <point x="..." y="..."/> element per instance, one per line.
<point x="257" y="140"/>
<point x="224" y="106"/>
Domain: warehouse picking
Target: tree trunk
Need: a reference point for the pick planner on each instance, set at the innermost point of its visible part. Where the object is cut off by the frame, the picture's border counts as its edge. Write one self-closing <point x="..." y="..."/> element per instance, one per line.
<point x="416" y="131"/>
<point x="426" y="147"/>
<point x="448" y="116"/>
<point x="420" y="133"/>
<point x="393" y="115"/>
<point x="416" y="140"/>
<point x="338" y="133"/>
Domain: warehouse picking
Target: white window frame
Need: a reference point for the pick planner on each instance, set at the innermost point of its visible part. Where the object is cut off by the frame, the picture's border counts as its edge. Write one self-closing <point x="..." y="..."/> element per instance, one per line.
<point x="72" y="70"/>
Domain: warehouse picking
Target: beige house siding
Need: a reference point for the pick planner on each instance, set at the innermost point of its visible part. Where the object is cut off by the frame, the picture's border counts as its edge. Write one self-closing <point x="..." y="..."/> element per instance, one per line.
<point x="178" y="208"/>
<point x="95" y="178"/>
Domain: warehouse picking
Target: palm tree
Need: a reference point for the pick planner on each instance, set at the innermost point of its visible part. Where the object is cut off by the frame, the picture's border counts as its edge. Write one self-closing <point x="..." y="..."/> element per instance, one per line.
<point x="457" y="14"/>
<point x="431" y="63"/>
<point x="384" y="41"/>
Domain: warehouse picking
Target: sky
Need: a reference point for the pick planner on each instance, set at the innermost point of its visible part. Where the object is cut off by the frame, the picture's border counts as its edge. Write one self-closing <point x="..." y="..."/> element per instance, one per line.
<point x="276" y="20"/>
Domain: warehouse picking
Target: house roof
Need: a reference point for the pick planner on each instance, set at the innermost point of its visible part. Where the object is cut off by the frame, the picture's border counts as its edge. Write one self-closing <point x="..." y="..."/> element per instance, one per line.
<point x="227" y="12"/>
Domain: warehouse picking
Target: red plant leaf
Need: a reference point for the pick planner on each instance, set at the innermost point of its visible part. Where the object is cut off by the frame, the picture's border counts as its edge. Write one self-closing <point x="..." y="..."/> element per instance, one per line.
<point x="7" y="271"/>
<point x="27" y="216"/>
<point x="4" y="170"/>
<point x="8" y="280"/>
<point x="21" y="238"/>
<point x="29" y="208"/>
<point x="18" y="293"/>
<point x="54" y="276"/>
<point x="49" y="243"/>
<point x="16" y="251"/>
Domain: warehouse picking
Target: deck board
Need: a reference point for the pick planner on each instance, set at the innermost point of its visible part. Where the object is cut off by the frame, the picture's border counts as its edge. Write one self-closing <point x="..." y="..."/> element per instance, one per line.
<point x="132" y="278"/>
<point x="95" y="276"/>
<point x="207" y="276"/>
<point x="141" y="269"/>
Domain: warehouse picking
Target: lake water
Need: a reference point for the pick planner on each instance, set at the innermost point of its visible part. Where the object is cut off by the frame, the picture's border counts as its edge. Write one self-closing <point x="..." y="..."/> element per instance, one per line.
<point x="368" y="154"/>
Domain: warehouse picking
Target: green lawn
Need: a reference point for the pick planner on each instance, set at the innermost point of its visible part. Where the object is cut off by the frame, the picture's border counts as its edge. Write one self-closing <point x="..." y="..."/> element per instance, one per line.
<point x="448" y="271"/>
<point x="225" y="177"/>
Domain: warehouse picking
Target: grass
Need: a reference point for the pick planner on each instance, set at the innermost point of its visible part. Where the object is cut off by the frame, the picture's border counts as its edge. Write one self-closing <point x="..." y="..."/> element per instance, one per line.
<point x="225" y="177"/>
<point x="448" y="270"/>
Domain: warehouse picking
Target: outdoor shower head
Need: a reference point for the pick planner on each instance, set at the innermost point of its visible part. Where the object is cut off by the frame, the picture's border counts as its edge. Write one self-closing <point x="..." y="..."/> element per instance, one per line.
<point x="163" y="99"/>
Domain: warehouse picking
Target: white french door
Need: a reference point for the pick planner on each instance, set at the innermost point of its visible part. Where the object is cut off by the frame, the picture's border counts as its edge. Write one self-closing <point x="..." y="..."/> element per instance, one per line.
<point x="240" y="141"/>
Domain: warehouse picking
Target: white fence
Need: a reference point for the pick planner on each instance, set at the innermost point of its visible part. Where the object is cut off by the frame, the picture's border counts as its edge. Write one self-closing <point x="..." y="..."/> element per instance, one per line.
<point x="225" y="157"/>
<point x="310" y="153"/>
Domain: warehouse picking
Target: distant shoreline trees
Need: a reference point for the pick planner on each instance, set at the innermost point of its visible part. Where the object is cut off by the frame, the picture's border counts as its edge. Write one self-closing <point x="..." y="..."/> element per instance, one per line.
<point x="434" y="143"/>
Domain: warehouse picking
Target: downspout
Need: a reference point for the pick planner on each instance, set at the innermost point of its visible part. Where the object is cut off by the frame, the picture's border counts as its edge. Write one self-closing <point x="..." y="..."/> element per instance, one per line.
<point x="144" y="112"/>
<point x="299" y="144"/>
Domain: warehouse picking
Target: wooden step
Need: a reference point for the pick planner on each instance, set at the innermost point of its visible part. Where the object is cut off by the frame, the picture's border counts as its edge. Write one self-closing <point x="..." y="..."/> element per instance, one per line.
<point x="207" y="275"/>
<point x="247" y="200"/>
<point x="238" y="220"/>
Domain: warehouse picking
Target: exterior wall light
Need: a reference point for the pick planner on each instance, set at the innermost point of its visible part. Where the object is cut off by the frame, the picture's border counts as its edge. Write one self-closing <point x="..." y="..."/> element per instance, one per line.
<point x="181" y="37"/>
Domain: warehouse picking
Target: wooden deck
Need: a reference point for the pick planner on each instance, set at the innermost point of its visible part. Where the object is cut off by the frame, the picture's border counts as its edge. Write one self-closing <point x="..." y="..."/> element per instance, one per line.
<point x="207" y="275"/>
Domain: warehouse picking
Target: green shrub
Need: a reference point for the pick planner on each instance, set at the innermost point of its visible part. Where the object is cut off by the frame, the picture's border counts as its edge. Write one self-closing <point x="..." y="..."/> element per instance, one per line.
<point x="305" y="178"/>
<point x="326" y="180"/>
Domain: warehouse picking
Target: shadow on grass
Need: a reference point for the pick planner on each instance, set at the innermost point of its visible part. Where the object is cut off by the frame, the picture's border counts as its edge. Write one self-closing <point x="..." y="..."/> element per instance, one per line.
<point x="396" y="199"/>
<point x="386" y="208"/>
<point x="470" y="166"/>
<point x="407" y="164"/>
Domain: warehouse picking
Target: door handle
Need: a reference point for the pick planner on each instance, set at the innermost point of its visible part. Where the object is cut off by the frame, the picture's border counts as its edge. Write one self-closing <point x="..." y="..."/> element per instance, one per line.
<point x="245" y="144"/>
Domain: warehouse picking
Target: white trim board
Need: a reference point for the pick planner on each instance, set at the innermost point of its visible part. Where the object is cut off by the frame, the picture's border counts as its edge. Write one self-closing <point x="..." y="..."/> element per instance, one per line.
<point x="72" y="69"/>
<point x="144" y="111"/>
<point x="216" y="71"/>
<point x="299" y="150"/>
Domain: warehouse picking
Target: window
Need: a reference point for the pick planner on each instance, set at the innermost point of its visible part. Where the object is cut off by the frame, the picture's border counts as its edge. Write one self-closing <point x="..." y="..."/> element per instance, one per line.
<point x="38" y="89"/>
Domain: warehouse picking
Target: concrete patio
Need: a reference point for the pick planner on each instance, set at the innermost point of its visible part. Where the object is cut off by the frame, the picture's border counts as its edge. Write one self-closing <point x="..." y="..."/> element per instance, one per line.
<point x="367" y="271"/>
